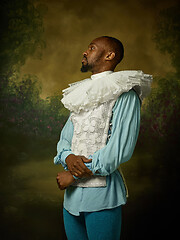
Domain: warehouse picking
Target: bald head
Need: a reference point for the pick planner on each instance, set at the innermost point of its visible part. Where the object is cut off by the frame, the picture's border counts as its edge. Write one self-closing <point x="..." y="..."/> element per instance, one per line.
<point x="114" y="45"/>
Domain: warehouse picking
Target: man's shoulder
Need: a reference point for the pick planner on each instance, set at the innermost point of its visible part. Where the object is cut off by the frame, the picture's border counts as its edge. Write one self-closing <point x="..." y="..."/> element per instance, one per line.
<point x="130" y="94"/>
<point x="128" y="97"/>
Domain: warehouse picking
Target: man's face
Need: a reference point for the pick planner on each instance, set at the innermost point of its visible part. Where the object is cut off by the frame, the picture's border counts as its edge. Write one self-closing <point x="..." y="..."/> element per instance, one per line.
<point x="93" y="57"/>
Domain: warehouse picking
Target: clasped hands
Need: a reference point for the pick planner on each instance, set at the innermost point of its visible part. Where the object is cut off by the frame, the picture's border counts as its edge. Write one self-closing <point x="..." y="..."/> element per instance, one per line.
<point x="76" y="167"/>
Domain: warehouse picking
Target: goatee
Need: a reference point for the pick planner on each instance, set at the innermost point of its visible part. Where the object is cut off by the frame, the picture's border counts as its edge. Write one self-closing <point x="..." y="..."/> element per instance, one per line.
<point x="84" y="68"/>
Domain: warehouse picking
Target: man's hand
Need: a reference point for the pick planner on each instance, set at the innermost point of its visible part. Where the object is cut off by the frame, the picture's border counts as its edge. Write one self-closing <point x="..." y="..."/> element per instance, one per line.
<point x="77" y="167"/>
<point x="64" y="179"/>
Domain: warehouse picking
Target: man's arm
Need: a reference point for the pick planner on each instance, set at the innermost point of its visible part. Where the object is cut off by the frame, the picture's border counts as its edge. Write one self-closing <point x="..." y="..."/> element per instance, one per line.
<point x="64" y="144"/>
<point x="64" y="179"/>
<point x="124" y="134"/>
<point x="66" y="157"/>
<point x="77" y="167"/>
<point x="120" y="147"/>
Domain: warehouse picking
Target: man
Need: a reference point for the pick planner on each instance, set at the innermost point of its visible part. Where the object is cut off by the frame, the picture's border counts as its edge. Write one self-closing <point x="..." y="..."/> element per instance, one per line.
<point x="99" y="135"/>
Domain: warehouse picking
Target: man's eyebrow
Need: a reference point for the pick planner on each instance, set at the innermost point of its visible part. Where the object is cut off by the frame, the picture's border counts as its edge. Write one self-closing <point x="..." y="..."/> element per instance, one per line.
<point x="92" y="44"/>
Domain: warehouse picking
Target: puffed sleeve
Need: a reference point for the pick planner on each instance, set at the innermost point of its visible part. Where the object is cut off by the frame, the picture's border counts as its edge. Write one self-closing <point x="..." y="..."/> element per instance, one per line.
<point x="64" y="144"/>
<point x="124" y="134"/>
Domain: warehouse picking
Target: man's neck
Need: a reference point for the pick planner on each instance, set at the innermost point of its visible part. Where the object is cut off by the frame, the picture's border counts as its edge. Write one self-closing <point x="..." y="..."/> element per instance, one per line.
<point x="102" y="70"/>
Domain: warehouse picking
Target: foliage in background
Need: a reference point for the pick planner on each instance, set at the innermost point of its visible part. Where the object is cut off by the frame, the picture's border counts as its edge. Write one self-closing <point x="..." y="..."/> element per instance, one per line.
<point x="161" y="110"/>
<point x="21" y="33"/>
<point x="167" y="36"/>
<point x="30" y="127"/>
<point x="160" y="125"/>
<point x="22" y="111"/>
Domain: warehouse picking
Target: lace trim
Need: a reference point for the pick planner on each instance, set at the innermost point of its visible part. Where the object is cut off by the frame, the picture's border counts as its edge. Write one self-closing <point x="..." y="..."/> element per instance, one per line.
<point x="89" y="93"/>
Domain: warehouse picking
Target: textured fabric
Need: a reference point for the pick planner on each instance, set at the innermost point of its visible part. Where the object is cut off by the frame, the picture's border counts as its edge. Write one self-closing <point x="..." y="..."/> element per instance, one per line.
<point x="91" y="129"/>
<point x="89" y="135"/>
<point x="119" y="149"/>
<point x="100" y="225"/>
<point x="103" y="87"/>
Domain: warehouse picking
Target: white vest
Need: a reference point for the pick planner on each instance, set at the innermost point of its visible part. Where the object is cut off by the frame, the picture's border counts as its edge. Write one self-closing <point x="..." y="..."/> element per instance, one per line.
<point x="90" y="102"/>
<point x="90" y="134"/>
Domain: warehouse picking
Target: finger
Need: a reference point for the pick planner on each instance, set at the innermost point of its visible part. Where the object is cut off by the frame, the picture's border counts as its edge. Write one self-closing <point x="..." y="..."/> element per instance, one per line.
<point x="76" y="173"/>
<point x="81" y="163"/>
<point x="86" y="160"/>
<point x="86" y="169"/>
<point x="79" y="166"/>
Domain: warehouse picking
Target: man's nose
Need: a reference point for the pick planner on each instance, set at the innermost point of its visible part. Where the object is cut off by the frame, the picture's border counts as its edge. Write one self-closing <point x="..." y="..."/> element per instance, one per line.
<point x="85" y="54"/>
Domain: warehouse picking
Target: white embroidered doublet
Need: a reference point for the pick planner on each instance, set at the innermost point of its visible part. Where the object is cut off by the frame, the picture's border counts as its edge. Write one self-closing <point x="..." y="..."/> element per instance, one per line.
<point x="90" y="102"/>
<point x="90" y="134"/>
<point x="91" y="129"/>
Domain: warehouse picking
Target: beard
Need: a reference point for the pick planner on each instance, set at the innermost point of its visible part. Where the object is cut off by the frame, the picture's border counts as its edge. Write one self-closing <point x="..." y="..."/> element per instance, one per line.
<point x="85" y="68"/>
<point x="90" y="66"/>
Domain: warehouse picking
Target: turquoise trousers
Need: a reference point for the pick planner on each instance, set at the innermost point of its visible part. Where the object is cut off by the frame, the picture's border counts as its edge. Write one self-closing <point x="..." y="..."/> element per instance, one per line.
<point x="100" y="225"/>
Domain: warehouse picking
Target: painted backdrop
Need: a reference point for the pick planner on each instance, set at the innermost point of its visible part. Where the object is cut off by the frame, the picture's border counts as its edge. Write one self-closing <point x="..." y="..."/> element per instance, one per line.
<point x="41" y="48"/>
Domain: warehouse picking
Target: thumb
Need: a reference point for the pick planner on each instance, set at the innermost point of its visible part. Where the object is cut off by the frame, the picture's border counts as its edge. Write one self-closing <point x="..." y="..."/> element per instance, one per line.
<point x="86" y="160"/>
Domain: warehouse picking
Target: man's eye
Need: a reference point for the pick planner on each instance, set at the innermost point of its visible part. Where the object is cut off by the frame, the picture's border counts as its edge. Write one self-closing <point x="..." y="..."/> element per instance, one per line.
<point x="92" y="48"/>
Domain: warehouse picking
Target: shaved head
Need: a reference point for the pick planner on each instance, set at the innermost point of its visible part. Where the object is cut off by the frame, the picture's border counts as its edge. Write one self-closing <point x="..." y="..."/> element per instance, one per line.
<point x="115" y="45"/>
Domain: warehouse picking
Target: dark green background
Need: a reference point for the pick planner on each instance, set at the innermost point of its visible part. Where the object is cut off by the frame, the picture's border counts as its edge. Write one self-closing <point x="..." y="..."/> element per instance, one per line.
<point x="40" y="53"/>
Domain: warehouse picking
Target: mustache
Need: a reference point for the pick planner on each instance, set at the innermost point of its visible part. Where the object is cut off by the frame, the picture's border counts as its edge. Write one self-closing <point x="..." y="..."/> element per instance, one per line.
<point x="84" y="58"/>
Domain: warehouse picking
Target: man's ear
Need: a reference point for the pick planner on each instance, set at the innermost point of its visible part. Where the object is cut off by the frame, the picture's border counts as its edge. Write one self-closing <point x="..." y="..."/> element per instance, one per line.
<point x="110" y="56"/>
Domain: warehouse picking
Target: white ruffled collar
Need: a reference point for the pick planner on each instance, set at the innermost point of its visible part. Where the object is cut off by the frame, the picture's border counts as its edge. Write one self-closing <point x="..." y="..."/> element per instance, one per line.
<point x="101" y="74"/>
<point x="105" y="86"/>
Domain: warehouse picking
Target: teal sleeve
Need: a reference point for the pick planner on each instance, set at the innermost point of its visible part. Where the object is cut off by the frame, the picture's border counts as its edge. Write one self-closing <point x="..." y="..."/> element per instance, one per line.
<point x="64" y="144"/>
<point x="124" y="134"/>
